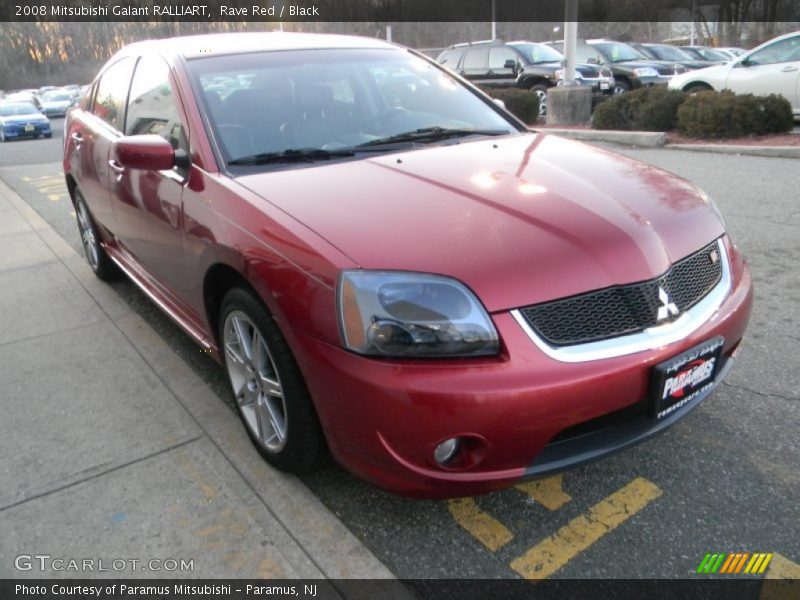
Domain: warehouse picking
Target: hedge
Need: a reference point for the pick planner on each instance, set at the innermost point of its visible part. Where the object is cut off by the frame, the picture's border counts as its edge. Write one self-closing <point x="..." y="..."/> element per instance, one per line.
<point x="646" y="109"/>
<point x="727" y="115"/>
<point x="522" y="103"/>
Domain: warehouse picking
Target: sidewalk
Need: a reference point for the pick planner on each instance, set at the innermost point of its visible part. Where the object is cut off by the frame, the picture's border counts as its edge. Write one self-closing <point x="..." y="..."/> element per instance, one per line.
<point x="113" y="449"/>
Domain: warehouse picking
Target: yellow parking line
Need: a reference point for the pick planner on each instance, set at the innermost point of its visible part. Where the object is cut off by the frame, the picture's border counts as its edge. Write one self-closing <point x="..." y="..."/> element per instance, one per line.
<point x="51" y="187"/>
<point x="487" y="530"/>
<point x="554" y="552"/>
<point x="56" y="176"/>
<point x="547" y="492"/>
<point x="54" y="197"/>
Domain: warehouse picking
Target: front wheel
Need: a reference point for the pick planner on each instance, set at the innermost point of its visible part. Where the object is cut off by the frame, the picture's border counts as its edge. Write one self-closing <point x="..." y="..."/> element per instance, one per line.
<point x="621" y="87"/>
<point x="269" y="390"/>
<point x="96" y="256"/>
<point x="695" y="88"/>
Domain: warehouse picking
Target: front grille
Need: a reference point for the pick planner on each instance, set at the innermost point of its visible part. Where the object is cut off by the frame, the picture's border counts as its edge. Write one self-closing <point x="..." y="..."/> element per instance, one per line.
<point x="588" y="72"/>
<point x="626" y="309"/>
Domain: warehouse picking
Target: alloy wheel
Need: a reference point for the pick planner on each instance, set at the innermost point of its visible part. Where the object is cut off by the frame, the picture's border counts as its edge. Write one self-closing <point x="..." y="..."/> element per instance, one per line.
<point x="255" y="381"/>
<point x="542" y="96"/>
<point x="88" y="237"/>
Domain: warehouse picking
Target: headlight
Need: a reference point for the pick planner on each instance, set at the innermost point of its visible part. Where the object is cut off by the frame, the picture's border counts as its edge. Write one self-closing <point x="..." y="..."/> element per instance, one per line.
<point x="391" y="313"/>
<point x="645" y="72"/>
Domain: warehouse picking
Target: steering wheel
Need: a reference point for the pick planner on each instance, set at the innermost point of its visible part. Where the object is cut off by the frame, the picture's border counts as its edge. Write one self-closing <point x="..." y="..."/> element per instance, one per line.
<point x="386" y="117"/>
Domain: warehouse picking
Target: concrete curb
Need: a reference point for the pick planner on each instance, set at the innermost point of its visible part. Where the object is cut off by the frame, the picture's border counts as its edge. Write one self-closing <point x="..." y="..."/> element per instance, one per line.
<point x="310" y="537"/>
<point x="769" y="151"/>
<point x="646" y="139"/>
<point x="650" y="139"/>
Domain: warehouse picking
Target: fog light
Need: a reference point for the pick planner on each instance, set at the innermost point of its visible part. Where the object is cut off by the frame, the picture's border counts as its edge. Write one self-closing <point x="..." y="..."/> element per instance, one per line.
<point x="446" y="451"/>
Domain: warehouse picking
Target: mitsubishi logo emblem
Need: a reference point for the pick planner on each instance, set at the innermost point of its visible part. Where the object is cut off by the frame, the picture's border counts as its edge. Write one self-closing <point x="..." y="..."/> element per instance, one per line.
<point x="667" y="308"/>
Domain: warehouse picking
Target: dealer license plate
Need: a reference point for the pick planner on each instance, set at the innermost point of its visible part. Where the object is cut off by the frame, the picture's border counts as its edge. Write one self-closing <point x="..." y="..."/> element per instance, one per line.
<point x="679" y="380"/>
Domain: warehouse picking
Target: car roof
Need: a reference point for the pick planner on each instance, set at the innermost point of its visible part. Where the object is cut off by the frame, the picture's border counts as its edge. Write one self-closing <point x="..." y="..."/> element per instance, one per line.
<point x="196" y="46"/>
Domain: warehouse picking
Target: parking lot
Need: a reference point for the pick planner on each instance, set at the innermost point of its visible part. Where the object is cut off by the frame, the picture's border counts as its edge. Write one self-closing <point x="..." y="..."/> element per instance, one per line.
<point x="723" y="480"/>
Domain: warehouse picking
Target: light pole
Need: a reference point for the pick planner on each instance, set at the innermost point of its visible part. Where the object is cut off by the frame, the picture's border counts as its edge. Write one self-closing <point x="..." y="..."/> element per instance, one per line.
<point x="570" y="41"/>
<point x="494" y="23"/>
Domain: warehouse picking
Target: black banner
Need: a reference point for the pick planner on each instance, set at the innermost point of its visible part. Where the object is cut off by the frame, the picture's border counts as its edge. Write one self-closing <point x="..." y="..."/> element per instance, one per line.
<point x="702" y="587"/>
<point x="382" y="11"/>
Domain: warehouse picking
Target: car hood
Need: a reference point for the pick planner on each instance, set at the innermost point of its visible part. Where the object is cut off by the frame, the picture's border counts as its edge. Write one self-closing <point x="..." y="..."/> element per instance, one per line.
<point x="715" y="76"/>
<point x="17" y="119"/>
<point x="57" y="104"/>
<point x="520" y="219"/>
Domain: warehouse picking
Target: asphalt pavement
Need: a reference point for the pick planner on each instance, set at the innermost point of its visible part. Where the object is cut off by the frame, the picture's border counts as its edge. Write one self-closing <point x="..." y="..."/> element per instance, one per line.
<point x="724" y="479"/>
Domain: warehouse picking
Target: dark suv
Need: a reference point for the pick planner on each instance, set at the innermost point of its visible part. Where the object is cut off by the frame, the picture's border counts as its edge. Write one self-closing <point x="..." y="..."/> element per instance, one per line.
<point x="631" y="70"/>
<point x="520" y="64"/>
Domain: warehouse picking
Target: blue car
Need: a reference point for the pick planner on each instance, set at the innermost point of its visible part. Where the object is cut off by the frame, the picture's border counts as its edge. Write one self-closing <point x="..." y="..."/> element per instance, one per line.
<point x="22" y="119"/>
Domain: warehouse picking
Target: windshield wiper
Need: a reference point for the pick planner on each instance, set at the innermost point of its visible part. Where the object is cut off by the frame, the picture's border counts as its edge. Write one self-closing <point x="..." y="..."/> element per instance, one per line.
<point x="291" y="155"/>
<point x="430" y="134"/>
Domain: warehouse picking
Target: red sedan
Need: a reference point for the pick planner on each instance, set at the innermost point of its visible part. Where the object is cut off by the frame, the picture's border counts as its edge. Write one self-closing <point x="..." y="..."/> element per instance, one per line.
<point x="393" y="268"/>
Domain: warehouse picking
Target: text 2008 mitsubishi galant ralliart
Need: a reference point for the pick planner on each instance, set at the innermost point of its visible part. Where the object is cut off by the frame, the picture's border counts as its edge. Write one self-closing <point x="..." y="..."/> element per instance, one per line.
<point x="392" y="268"/>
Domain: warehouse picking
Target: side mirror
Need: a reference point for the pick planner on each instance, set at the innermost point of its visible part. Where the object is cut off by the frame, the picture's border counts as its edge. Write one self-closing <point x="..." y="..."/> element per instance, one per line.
<point x="510" y="64"/>
<point x="592" y="61"/>
<point x="146" y="152"/>
<point x="499" y="103"/>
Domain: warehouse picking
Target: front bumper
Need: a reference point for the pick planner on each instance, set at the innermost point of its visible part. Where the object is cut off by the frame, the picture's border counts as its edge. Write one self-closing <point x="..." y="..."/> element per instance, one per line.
<point x="384" y="418"/>
<point x="19" y="131"/>
<point x="638" y="82"/>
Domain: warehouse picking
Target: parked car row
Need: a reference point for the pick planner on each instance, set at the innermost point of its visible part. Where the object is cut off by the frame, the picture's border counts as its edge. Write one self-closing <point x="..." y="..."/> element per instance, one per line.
<point x="522" y="64"/>
<point x="612" y="67"/>
<point x="51" y="100"/>
<point x="24" y="113"/>
<point x="771" y="68"/>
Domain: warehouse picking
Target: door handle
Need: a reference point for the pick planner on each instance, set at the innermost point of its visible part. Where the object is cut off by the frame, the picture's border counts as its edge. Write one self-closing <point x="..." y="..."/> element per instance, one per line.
<point x="788" y="69"/>
<point x="77" y="138"/>
<point x="116" y="167"/>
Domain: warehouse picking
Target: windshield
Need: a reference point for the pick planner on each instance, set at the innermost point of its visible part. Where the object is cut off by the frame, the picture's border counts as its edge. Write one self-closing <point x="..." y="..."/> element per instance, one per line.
<point x="56" y="96"/>
<point x="538" y="53"/>
<point x="273" y="102"/>
<point x="668" y="53"/>
<point x="616" y="52"/>
<point x="10" y="110"/>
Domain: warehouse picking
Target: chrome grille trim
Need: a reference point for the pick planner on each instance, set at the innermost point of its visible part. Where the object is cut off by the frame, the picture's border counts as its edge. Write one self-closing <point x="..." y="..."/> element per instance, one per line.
<point x="649" y="339"/>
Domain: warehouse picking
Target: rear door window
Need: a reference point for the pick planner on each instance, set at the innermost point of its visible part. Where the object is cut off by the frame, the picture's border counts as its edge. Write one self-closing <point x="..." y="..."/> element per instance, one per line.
<point x="476" y="59"/>
<point x="112" y="93"/>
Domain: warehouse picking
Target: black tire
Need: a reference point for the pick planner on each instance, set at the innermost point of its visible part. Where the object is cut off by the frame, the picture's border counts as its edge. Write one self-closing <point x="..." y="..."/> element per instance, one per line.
<point x="48" y="135"/>
<point x="694" y="88"/>
<point x="621" y="86"/>
<point x="540" y="90"/>
<point x="303" y="446"/>
<point x="102" y="266"/>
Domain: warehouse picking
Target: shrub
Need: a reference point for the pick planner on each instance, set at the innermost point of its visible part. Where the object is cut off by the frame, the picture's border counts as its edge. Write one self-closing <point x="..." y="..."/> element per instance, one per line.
<point x="726" y="115"/>
<point x="646" y="109"/>
<point x="777" y="115"/>
<point x="522" y="103"/>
